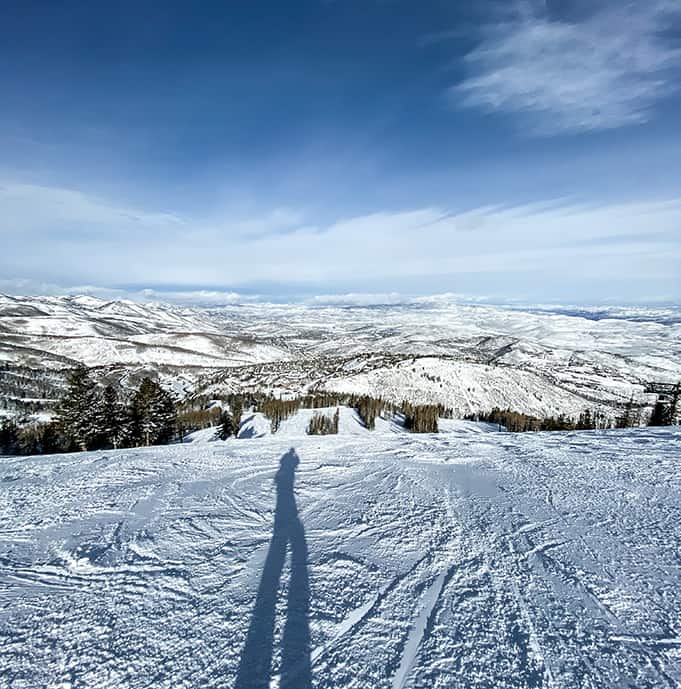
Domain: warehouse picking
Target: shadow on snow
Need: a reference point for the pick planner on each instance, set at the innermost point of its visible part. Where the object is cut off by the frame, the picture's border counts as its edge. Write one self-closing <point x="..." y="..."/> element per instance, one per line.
<point x="255" y="666"/>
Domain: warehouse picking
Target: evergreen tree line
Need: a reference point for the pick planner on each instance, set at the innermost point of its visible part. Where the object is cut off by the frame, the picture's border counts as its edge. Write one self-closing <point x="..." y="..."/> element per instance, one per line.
<point x="25" y="391"/>
<point x="33" y="439"/>
<point x="663" y="414"/>
<point x="278" y="409"/>
<point x="90" y="417"/>
<point x="517" y="422"/>
<point x="323" y="424"/>
<point x="421" y="418"/>
<point x="418" y="418"/>
<point x="22" y="407"/>
<point x="190" y="420"/>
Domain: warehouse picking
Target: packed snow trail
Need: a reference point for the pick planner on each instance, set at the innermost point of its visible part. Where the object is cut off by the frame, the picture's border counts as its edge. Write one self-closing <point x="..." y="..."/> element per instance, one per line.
<point x="453" y="560"/>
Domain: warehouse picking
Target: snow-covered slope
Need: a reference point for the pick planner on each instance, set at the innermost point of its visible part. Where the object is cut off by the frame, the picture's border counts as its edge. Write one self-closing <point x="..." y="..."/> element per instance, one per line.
<point x="466" y="357"/>
<point x="102" y="333"/>
<point x="376" y="560"/>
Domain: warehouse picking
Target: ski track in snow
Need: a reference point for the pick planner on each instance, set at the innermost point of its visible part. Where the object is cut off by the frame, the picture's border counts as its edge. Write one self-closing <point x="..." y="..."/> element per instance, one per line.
<point x="454" y="560"/>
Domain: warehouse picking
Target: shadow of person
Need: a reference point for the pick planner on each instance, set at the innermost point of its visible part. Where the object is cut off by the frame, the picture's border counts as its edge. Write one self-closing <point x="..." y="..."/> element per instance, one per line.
<point x="255" y="665"/>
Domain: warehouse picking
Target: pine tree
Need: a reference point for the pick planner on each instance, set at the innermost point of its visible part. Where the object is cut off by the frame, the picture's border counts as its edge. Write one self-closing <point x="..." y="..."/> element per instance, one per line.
<point x="227" y="426"/>
<point x="52" y="441"/>
<point x="29" y="440"/>
<point x="674" y="405"/>
<point x="659" y="415"/>
<point x="237" y="411"/>
<point x="585" y="423"/>
<point x="9" y="438"/>
<point x="78" y="413"/>
<point x="153" y="414"/>
<point x="629" y="418"/>
<point x="115" y="419"/>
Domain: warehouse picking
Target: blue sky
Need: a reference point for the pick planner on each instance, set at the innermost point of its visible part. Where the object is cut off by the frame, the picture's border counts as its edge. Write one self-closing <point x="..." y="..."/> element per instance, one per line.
<point x="518" y="150"/>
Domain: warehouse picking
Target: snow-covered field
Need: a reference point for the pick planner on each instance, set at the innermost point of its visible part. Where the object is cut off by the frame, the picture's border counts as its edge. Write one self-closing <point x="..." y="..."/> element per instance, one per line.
<point x="365" y="560"/>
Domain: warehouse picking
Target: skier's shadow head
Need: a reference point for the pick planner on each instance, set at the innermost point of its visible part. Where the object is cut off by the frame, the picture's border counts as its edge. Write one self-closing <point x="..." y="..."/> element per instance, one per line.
<point x="255" y="667"/>
<point x="289" y="462"/>
<point x="286" y="509"/>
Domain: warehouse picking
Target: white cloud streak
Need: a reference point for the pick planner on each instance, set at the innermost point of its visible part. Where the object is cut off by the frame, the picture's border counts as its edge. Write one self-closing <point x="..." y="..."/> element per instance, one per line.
<point x="73" y="210"/>
<point x="604" y="72"/>
<point x="395" y="298"/>
<point x="361" y="299"/>
<point x="428" y="249"/>
<point x="199" y="297"/>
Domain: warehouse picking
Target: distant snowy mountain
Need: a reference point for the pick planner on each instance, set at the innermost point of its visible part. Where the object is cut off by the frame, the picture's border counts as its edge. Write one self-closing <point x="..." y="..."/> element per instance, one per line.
<point x="368" y="559"/>
<point x="103" y="333"/>
<point x="537" y="360"/>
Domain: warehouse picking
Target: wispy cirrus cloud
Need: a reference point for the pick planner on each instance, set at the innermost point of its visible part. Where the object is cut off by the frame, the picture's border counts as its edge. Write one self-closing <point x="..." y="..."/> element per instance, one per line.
<point x="605" y="71"/>
<point x="39" y="209"/>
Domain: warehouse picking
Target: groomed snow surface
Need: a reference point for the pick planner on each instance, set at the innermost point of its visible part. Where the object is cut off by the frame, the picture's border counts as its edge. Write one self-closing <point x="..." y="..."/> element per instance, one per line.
<point x="382" y="560"/>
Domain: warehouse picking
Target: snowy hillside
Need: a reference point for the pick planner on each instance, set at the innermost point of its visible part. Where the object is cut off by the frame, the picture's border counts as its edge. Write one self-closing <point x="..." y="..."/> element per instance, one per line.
<point x="100" y="333"/>
<point x="469" y="358"/>
<point x="382" y="560"/>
